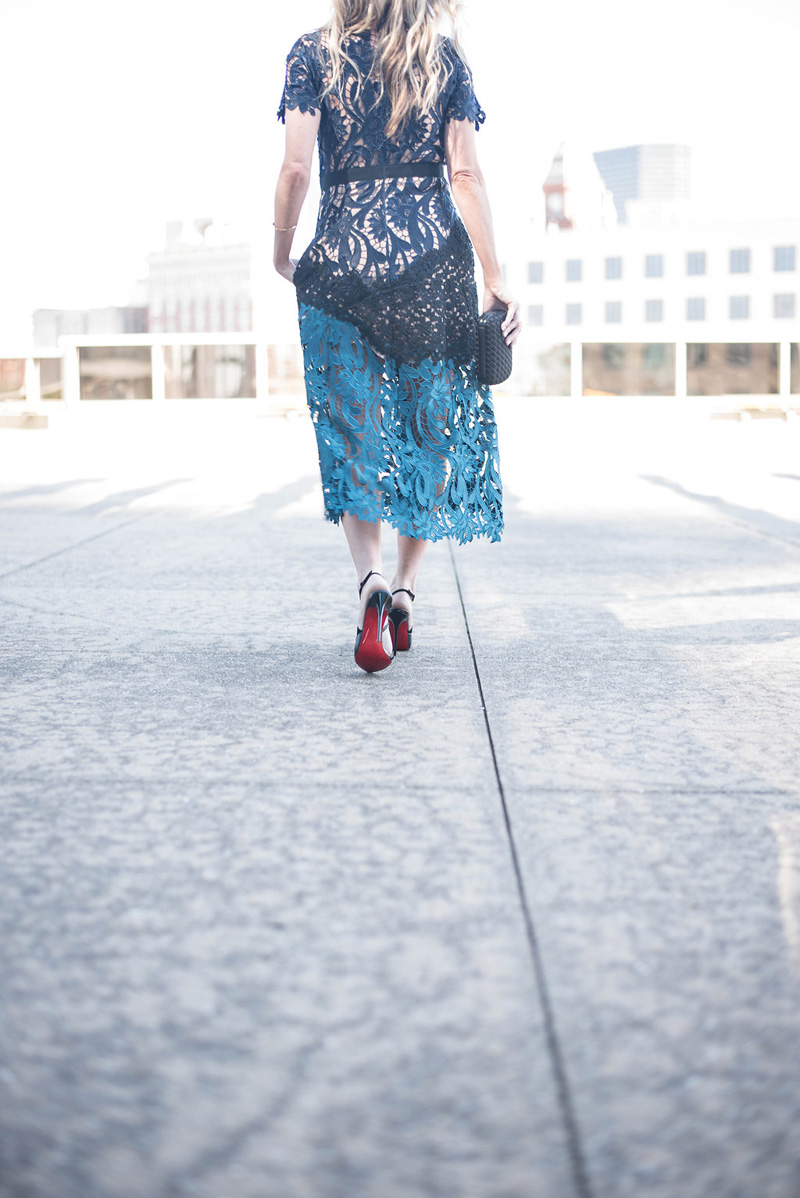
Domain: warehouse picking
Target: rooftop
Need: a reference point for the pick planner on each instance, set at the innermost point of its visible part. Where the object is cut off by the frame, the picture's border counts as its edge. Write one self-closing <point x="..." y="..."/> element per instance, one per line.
<point x="518" y="915"/>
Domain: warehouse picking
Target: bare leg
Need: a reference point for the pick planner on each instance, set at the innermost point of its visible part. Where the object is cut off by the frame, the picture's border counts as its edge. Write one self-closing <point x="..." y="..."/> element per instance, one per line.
<point x="364" y="540"/>
<point x="410" y="551"/>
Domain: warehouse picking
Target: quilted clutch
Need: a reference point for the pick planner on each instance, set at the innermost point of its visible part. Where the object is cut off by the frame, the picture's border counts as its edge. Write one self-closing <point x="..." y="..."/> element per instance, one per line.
<point x="494" y="356"/>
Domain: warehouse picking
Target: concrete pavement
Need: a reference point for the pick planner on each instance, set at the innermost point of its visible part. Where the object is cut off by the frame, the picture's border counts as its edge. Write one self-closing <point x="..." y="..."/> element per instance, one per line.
<point x="518" y="917"/>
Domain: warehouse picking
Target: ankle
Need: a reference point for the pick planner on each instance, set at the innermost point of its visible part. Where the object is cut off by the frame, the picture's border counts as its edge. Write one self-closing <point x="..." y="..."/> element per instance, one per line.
<point x="405" y="582"/>
<point x="401" y="598"/>
<point x="371" y="580"/>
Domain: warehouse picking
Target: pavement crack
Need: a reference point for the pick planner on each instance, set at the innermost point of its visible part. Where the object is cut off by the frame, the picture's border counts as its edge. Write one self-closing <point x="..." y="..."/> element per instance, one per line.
<point x="563" y="1091"/>
<point x="75" y="545"/>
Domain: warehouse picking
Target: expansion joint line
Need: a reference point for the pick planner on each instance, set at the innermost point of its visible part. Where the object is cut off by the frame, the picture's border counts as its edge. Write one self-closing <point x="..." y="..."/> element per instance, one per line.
<point x="579" y="1171"/>
<point x="68" y="548"/>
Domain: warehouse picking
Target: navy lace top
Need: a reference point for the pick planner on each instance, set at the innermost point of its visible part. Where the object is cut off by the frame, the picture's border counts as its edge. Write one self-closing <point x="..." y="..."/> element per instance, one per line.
<point x="351" y="133"/>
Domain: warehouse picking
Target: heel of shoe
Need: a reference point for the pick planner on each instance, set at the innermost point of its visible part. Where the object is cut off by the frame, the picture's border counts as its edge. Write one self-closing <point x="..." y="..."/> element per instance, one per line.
<point x="400" y="630"/>
<point x="374" y="649"/>
<point x="399" y="617"/>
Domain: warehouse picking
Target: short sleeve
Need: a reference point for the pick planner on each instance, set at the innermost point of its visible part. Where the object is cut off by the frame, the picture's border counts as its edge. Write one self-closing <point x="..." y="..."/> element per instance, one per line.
<point x="462" y="103"/>
<point x="302" y="87"/>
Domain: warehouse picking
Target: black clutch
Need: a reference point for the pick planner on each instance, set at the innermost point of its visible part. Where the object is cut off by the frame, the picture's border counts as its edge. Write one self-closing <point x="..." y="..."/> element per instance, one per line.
<point x="494" y="356"/>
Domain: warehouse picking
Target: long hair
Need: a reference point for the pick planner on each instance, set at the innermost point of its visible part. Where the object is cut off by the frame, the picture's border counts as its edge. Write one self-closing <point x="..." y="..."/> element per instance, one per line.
<point x="408" y="56"/>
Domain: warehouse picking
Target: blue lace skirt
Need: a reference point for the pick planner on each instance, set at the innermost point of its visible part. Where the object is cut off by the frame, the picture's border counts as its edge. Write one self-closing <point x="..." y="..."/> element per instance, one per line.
<point x="405" y="431"/>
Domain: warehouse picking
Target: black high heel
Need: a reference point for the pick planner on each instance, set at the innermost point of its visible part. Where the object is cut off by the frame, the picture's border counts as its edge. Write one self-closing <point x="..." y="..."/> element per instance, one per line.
<point x="399" y="617"/>
<point x="374" y="649"/>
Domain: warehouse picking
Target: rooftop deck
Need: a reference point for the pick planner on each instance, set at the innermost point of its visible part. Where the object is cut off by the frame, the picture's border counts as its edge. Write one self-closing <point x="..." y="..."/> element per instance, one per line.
<point x="519" y="916"/>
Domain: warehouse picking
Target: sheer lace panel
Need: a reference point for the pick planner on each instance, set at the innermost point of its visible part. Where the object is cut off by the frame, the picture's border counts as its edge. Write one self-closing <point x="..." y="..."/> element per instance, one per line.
<point x="427" y="307"/>
<point x="413" y="445"/>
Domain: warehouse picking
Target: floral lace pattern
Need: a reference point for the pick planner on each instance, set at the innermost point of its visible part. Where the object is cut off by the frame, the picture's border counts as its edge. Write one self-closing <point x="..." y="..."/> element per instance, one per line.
<point x="429" y="309"/>
<point x="351" y="131"/>
<point x="413" y="445"/>
<point x="388" y="312"/>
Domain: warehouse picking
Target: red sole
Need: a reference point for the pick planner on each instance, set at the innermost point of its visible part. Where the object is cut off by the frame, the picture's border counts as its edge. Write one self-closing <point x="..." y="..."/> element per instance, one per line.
<point x="371" y="655"/>
<point x="401" y="638"/>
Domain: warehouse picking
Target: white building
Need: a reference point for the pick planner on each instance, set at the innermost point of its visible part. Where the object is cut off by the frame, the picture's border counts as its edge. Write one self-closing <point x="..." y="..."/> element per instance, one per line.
<point x="201" y="282"/>
<point x="585" y="282"/>
<point x="696" y="281"/>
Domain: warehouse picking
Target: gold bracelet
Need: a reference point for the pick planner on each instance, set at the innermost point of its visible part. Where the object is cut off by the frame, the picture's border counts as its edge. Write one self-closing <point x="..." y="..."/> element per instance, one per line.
<point x="288" y="228"/>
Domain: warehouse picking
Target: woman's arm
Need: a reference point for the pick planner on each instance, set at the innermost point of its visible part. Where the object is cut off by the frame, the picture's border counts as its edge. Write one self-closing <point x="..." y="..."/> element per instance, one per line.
<point x="301" y="133"/>
<point x="469" y="192"/>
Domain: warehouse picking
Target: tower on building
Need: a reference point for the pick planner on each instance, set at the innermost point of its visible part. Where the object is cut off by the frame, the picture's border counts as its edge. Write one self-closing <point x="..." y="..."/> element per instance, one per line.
<point x="575" y="195"/>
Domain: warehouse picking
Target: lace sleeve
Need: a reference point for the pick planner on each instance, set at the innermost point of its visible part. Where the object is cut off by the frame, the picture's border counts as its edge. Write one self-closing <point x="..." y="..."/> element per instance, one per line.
<point x="302" y="86"/>
<point x="462" y="103"/>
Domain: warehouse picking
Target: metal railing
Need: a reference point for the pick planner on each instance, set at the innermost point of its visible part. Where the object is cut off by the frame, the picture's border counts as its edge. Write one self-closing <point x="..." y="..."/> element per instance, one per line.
<point x="162" y="368"/>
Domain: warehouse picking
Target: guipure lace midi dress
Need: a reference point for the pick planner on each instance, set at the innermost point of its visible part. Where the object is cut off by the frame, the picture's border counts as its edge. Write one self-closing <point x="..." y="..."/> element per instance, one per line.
<point x="387" y="307"/>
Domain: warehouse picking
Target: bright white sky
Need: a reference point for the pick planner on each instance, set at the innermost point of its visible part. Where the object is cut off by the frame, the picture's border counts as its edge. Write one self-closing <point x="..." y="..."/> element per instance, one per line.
<point x="121" y="115"/>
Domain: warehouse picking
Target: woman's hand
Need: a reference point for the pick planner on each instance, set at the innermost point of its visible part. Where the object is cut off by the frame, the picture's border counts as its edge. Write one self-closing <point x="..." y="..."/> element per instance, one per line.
<point x="497" y="298"/>
<point x="286" y="269"/>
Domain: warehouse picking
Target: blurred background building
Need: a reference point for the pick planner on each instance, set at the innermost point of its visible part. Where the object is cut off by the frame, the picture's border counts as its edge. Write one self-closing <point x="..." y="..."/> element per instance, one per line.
<point x="651" y="184"/>
<point x="575" y="193"/>
<point x="619" y="260"/>
<point x="51" y="323"/>
<point x="201" y="281"/>
<point x="624" y="291"/>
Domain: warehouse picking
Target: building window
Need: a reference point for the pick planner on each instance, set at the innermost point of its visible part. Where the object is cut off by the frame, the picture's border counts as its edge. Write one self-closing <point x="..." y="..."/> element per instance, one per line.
<point x="696" y="262"/>
<point x="783" y="306"/>
<point x="654" y="355"/>
<point x="740" y="262"/>
<point x="613" y="268"/>
<point x="783" y="257"/>
<point x="573" y="313"/>
<point x="737" y="355"/>
<point x="696" y="308"/>
<point x="536" y="272"/>
<point x="654" y="266"/>
<point x="574" y="270"/>
<point x="696" y="354"/>
<point x="613" y="312"/>
<point x="654" y="310"/>
<point x="739" y="307"/>
<point x="535" y="314"/>
<point x="613" y="356"/>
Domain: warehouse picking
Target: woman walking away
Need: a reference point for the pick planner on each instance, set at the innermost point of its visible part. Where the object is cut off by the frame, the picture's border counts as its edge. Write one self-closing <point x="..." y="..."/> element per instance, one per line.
<point x="386" y="292"/>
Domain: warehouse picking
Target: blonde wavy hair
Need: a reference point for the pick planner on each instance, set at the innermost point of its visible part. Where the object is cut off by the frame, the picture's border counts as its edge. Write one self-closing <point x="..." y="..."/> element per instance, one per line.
<point x="412" y="70"/>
